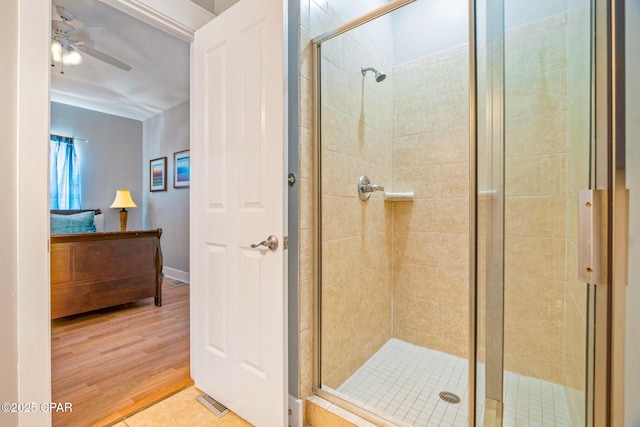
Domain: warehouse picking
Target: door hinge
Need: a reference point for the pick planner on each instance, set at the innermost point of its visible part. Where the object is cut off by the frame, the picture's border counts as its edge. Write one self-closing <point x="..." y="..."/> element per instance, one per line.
<point x="286" y="242"/>
<point x="592" y="250"/>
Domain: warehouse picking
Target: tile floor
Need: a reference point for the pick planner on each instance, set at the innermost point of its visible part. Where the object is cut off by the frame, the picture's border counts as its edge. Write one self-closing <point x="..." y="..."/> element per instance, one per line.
<point x="402" y="382"/>
<point x="533" y="402"/>
<point x="181" y="410"/>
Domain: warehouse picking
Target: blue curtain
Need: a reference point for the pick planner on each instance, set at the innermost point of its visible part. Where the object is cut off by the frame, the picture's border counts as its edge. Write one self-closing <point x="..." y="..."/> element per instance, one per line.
<point x="64" y="174"/>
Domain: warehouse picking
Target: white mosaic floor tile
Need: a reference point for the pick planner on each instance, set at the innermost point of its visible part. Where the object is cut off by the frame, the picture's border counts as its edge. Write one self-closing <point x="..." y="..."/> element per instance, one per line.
<point x="402" y="382"/>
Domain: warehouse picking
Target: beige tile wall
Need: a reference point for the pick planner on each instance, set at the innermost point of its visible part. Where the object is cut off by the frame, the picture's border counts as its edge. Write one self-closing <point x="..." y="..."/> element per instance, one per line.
<point x="536" y="199"/>
<point x="356" y="235"/>
<point x="547" y="152"/>
<point x="431" y="234"/>
<point x="547" y="163"/>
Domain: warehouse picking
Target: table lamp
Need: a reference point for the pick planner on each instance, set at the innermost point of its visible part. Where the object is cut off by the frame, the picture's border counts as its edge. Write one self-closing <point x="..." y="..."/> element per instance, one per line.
<point x="123" y="200"/>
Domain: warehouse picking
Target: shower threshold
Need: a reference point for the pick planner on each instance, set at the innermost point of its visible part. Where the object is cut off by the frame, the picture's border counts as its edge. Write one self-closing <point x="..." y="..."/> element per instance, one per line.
<point x="402" y="383"/>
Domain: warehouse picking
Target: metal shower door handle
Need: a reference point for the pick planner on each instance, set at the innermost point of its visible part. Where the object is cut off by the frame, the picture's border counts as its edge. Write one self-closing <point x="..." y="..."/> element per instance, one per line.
<point x="271" y="243"/>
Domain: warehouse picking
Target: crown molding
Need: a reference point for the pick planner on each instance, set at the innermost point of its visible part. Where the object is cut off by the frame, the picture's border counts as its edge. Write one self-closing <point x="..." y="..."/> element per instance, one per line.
<point x="180" y="18"/>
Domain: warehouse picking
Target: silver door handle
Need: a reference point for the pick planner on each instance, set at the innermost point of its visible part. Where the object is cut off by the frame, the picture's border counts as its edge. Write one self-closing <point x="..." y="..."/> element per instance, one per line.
<point x="271" y="243"/>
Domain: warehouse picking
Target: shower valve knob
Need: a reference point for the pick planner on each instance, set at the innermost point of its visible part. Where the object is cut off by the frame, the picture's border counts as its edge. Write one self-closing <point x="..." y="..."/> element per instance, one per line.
<point x="365" y="188"/>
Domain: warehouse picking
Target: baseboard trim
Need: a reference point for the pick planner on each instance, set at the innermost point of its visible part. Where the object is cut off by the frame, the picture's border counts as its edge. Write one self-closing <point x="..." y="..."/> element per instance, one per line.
<point x="296" y="413"/>
<point x="176" y="274"/>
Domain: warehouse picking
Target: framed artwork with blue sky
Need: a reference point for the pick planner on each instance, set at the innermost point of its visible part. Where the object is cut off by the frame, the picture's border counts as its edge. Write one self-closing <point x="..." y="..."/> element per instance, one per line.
<point x="158" y="174"/>
<point x="181" y="169"/>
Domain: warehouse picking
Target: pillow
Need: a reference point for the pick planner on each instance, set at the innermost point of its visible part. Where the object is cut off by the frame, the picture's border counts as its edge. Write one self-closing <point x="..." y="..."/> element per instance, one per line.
<point x="71" y="224"/>
<point x="98" y="220"/>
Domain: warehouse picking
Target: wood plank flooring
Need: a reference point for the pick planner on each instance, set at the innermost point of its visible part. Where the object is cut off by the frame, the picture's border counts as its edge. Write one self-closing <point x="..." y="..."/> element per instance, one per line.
<point x="110" y="363"/>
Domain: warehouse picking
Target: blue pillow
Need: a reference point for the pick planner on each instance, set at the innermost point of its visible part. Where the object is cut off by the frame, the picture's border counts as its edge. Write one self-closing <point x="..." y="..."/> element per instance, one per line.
<point x="72" y="224"/>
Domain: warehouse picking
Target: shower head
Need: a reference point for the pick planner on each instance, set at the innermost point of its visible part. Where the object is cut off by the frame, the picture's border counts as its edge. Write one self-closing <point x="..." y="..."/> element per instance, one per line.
<point x="380" y="75"/>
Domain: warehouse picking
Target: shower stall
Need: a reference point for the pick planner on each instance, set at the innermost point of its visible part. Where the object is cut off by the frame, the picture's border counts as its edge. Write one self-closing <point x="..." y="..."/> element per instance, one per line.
<point x="447" y="174"/>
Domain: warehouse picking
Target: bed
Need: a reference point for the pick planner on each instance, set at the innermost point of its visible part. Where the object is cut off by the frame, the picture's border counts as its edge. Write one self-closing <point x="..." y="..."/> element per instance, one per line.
<point x="94" y="270"/>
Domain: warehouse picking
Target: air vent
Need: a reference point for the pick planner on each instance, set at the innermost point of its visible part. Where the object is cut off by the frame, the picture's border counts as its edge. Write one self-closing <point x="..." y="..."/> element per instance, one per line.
<point x="213" y="405"/>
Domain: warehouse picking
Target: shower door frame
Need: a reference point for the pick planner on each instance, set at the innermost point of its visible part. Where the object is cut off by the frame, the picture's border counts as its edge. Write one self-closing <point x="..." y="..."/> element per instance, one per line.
<point x="605" y="384"/>
<point x="609" y="176"/>
<point x="316" y="44"/>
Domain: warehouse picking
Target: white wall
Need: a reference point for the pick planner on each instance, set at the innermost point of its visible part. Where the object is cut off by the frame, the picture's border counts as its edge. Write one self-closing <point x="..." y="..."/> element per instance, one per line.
<point x="427" y="26"/>
<point x="413" y="31"/>
<point x="164" y="135"/>
<point x="8" y="224"/>
<point x="522" y="12"/>
<point x="416" y="30"/>
<point x="111" y="160"/>
<point x="378" y="33"/>
<point x="349" y="10"/>
<point x="24" y="117"/>
<point x="632" y="339"/>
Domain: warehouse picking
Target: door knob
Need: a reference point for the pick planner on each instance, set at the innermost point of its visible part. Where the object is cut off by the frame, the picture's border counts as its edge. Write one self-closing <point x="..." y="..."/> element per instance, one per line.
<point x="271" y="243"/>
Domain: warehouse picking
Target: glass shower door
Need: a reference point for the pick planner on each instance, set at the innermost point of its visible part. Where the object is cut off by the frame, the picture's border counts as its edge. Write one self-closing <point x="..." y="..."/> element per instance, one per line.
<point x="392" y="197"/>
<point x="534" y="66"/>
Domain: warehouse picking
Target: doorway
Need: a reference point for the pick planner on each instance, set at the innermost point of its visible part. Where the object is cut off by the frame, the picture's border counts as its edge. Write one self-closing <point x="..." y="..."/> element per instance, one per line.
<point x="118" y="141"/>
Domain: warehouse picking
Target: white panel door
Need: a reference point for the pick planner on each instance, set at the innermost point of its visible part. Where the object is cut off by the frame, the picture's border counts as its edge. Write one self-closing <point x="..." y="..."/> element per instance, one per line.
<point x="238" y="297"/>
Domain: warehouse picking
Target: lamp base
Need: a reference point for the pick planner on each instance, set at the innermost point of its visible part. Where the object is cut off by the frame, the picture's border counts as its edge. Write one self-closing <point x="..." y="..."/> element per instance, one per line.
<point x="123" y="219"/>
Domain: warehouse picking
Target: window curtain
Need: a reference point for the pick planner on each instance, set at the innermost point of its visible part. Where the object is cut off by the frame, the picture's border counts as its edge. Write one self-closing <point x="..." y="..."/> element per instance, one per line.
<point x="64" y="174"/>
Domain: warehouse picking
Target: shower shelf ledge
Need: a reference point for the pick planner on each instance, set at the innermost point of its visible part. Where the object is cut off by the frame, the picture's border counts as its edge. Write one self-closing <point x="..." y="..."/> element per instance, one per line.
<point x="406" y="196"/>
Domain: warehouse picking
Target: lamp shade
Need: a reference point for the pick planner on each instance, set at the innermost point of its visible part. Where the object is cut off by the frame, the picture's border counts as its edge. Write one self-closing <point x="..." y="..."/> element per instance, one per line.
<point x="123" y="200"/>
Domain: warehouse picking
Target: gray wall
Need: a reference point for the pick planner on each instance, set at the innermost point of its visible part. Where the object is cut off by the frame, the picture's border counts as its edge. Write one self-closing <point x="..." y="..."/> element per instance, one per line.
<point x="117" y="156"/>
<point x="9" y="222"/>
<point x="110" y="160"/>
<point x="215" y="6"/>
<point x="164" y="135"/>
<point x="632" y="341"/>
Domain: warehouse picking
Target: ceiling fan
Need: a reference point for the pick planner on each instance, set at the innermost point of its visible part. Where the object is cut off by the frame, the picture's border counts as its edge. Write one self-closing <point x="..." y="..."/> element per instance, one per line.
<point x="67" y="40"/>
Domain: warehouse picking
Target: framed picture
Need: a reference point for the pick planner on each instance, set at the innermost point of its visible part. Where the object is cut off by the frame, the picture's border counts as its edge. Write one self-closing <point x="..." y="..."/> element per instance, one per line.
<point x="181" y="169"/>
<point x="158" y="174"/>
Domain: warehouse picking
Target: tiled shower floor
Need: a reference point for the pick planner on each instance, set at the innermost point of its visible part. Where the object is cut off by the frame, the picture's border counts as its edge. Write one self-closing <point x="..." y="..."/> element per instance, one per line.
<point x="402" y="382"/>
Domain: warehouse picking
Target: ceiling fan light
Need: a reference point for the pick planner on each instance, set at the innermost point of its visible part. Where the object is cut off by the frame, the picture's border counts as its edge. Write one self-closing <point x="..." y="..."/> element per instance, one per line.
<point x="72" y="57"/>
<point x="56" y="51"/>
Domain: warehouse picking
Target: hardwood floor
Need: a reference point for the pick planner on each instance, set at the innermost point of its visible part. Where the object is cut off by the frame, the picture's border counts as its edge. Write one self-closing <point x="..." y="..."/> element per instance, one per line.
<point x="112" y="362"/>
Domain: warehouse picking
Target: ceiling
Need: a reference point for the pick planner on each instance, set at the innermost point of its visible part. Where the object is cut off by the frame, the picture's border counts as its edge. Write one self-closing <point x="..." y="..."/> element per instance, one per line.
<point x="159" y="75"/>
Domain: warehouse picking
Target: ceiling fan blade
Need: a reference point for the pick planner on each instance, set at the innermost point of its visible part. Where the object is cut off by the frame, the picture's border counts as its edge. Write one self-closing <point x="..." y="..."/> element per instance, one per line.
<point x="89" y="33"/>
<point x="103" y="57"/>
